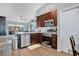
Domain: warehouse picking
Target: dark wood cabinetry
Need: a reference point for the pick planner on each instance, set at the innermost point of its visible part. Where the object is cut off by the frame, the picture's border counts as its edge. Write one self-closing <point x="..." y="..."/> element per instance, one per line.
<point x="35" y="38"/>
<point x="41" y="22"/>
<point x="54" y="41"/>
<point x="47" y="16"/>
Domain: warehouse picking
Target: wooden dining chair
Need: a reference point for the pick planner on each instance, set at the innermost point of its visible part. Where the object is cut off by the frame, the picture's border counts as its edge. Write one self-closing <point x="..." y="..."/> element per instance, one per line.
<point x="75" y="52"/>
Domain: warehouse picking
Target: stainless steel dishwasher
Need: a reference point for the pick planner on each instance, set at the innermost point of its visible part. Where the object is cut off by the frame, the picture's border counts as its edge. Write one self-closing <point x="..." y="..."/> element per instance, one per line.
<point x="23" y="39"/>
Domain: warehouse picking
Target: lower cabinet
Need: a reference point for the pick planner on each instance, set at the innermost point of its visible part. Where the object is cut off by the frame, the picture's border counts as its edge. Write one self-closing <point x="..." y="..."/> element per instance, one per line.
<point x="35" y="38"/>
<point x="38" y="38"/>
<point x="54" y="41"/>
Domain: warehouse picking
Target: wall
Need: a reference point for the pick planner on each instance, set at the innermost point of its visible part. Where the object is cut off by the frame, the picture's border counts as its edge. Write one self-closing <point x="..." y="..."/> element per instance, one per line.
<point x="46" y="8"/>
<point x="52" y="6"/>
<point x="59" y="8"/>
<point x="68" y="26"/>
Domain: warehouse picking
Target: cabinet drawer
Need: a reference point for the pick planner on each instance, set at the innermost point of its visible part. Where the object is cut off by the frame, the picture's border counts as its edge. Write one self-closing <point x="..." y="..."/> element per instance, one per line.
<point x="54" y="41"/>
<point x="35" y="38"/>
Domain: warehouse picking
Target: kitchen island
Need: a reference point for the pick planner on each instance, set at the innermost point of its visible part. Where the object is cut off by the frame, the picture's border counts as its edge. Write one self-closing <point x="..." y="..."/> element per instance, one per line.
<point x="29" y="38"/>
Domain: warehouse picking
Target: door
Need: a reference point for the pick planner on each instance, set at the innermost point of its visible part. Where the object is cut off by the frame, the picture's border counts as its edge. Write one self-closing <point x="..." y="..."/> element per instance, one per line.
<point x="69" y="25"/>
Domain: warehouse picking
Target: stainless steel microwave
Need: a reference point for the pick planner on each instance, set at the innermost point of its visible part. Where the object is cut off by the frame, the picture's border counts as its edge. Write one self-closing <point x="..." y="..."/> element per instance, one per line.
<point x="49" y="23"/>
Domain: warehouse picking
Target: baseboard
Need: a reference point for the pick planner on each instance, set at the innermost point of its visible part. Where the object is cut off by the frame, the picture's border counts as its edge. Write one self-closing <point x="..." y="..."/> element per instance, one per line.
<point x="59" y="50"/>
<point x="69" y="52"/>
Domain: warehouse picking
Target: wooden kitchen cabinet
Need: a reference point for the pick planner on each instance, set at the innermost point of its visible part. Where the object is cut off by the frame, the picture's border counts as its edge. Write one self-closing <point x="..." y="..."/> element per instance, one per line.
<point x="47" y="16"/>
<point x="54" y="41"/>
<point x="35" y="38"/>
<point x="52" y="15"/>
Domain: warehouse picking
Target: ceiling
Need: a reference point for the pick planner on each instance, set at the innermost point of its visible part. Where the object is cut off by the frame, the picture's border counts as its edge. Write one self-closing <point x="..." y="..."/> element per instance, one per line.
<point x="27" y="10"/>
<point x="24" y="8"/>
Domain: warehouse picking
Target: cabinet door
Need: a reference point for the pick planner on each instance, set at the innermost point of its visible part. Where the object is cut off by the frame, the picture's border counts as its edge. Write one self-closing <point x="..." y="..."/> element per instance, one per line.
<point x="39" y="37"/>
<point x="31" y="39"/>
<point x="35" y="38"/>
<point x="54" y="41"/>
<point x="40" y="23"/>
<point x="47" y="16"/>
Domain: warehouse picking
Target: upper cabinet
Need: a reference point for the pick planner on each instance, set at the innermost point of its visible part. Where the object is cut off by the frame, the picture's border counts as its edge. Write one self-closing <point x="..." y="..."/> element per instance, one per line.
<point x="52" y="15"/>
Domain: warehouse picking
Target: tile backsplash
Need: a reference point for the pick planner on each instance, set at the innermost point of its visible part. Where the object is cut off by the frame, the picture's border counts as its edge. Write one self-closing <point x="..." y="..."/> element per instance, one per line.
<point x="46" y="29"/>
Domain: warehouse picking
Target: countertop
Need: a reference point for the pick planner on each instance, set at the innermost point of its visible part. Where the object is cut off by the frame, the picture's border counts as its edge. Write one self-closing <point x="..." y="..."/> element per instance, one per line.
<point x="34" y="32"/>
<point x="26" y="32"/>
